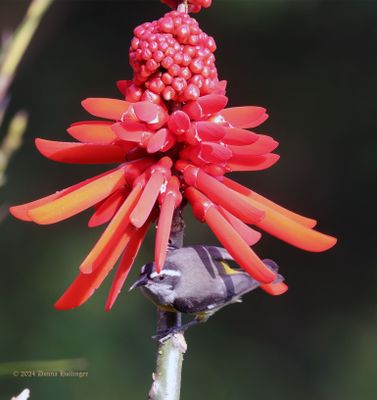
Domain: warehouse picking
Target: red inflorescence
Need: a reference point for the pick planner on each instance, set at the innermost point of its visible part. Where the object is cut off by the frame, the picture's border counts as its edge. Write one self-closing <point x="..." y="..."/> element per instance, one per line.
<point x="194" y="6"/>
<point x="172" y="59"/>
<point x="175" y="143"/>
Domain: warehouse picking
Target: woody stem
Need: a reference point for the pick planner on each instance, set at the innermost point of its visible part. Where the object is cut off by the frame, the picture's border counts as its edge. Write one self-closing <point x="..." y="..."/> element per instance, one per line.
<point x="167" y="376"/>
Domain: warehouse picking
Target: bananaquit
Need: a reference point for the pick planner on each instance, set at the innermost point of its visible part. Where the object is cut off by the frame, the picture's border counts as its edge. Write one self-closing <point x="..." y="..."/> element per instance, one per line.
<point x="197" y="280"/>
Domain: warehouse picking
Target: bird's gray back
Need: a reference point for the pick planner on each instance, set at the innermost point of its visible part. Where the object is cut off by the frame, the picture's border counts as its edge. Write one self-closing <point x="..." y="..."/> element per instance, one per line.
<point x="205" y="281"/>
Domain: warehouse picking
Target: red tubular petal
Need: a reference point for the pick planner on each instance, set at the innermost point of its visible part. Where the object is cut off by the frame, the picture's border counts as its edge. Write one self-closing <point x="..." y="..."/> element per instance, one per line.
<point x="84" y="285"/>
<point x="131" y="131"/>
<point x="237" y="247"/>
<point x="245" y="117"/>
<point x="199" y="202"/>
<point x="192" y="153"/>
<point x="210" y="130"/>
<point x="214" y="170"/>
<point x="126" y="263"/>
<point x="230" y="239"/>
<point x="172" y="189"/>
<point x="310" y="223"/>
<point x="132" y="150"/>
<point x="223" y="196"/>
<point x="168" y="200"/>
<point x="153" y="114"/>
<point x="134" y="125"/>
<point x="146" y="111"/>
<point x="294" y="233"/>
<point x="135" y="153"/>
<point x="136" y="167"/>
<point x="21" y="211"/>
<point x="221" y="87"/>
<point x="212" y="103"/>
<point x="275" y="289"/>
<point x="112" y="233"/>
<point x="291" y="231"/>
<point x="249" y="235"/>
<point x="163" y="231"/>
<point x="80" y="153"/>
<point x="78" y="200"/>
<point x="105" y="212"/>
<point x="253" y="163"/>
<point x="193" y="110"/>
<point x="263" y="145"/>
<point x="147" y="200"/>
<point x="179" y="122"/>
<point x="106" y="108"/>
<point x="122" y="86"/>
<point x="162" y="139"/>
<point x="169" y="142"/>
<point x="98" y="132"/>
<point x="239" y="137"/>
<point x="214" y="152"/>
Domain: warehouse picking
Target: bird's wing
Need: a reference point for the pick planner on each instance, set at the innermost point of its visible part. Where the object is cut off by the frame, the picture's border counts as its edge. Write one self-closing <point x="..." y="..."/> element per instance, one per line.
<point x="222" y="255"/>
<point x="218" y="253"/>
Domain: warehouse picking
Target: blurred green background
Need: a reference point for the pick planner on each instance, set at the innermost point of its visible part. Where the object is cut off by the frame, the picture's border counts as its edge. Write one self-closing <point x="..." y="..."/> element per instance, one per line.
<point x="313" y="64"/>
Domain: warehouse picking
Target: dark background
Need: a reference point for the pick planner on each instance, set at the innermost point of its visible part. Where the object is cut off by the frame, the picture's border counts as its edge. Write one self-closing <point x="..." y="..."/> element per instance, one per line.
<point x="313" y="65"/>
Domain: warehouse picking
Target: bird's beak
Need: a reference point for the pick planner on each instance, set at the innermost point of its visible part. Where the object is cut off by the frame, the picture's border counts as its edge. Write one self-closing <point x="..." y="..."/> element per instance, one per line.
<point x="142" y="281"/>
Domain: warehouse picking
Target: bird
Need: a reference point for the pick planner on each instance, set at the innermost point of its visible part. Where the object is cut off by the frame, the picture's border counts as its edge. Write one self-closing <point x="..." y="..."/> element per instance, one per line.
<point x="197" y="280"/>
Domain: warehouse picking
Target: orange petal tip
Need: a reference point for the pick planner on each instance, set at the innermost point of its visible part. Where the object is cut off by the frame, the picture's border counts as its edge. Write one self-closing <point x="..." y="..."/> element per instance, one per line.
<point x="275" y="289"/>
<point x="19" y="212"/>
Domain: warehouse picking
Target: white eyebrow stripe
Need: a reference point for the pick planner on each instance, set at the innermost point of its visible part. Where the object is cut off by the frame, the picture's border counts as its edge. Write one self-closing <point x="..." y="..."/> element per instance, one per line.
<point x="167" y="272"/>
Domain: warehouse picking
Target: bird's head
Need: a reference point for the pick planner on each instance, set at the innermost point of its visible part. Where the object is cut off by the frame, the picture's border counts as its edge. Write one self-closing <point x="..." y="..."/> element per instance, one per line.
<point x="160" y="287"/>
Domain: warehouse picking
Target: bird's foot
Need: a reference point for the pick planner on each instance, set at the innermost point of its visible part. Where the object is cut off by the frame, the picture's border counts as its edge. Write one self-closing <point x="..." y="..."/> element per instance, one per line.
<point x="163" y="336"/>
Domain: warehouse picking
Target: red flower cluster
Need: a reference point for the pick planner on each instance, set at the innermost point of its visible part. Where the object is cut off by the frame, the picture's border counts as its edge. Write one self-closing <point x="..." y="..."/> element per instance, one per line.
<point x="172" y="58"/>
<point x="170" y="153"/>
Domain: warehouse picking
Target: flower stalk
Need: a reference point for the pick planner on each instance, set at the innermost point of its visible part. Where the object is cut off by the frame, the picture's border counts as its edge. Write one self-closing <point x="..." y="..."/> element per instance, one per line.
<point x="183" y="6"/>
<point x="167" y="376"/>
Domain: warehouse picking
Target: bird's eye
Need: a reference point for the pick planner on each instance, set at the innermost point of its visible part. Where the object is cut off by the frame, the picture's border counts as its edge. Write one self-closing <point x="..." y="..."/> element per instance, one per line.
<point x="161" y="277"/>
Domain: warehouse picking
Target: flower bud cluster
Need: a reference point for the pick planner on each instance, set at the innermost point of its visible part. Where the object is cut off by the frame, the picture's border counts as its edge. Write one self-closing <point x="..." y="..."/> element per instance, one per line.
<point x="172" y="59"/>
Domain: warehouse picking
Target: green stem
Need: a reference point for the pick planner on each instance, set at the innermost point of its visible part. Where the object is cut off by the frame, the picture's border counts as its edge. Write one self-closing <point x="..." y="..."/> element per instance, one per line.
<point x="167" y="376"/>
